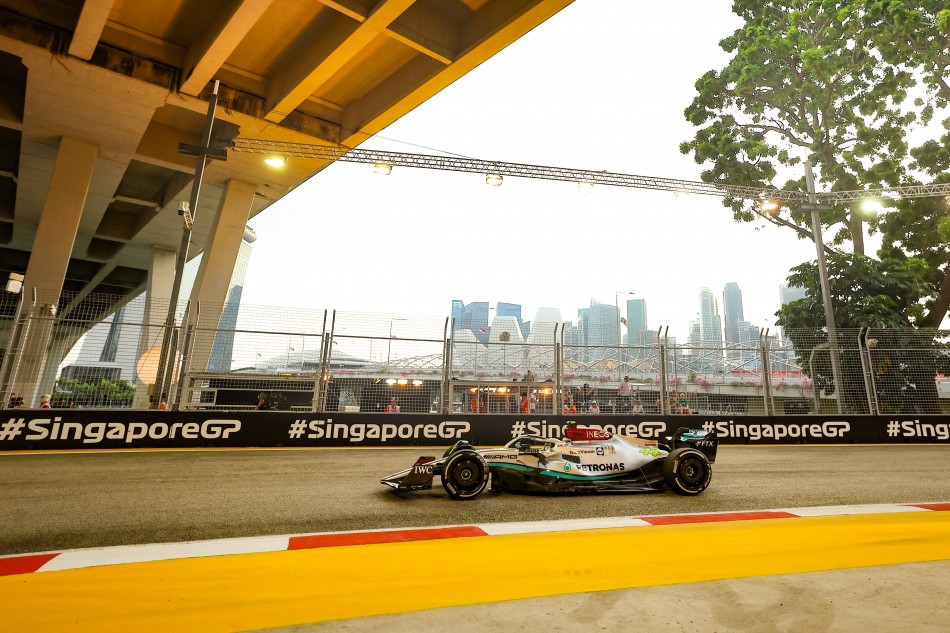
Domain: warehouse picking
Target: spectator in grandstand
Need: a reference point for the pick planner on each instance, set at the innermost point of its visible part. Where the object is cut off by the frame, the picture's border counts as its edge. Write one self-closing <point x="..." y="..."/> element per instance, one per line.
<point x="682" y="404"/>
<point x="587" y="394"/>
<point x="162" y="404"/>
<point x="637" y="407"/>
<point x="568" y="407"/>
<point x="393" y="406"/>
<point x="16" y="401"/>
<point x="624" y="393"/>
<point x="594" y="408"/>
<point x="262" y="402"/>
<point x="478" y="404"/>
<point x="525" y="405"/>
<point x="44" y="401"/>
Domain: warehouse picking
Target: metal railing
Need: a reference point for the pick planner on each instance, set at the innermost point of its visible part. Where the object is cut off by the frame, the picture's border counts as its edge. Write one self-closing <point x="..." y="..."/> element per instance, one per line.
<point x="84" y="352"/>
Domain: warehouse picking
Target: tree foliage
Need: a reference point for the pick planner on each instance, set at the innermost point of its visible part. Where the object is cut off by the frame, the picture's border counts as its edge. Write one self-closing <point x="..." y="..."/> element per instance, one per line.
<point x="881" y="294"/>
<point x="839" y="83"/>
<point x="102" y="393"/>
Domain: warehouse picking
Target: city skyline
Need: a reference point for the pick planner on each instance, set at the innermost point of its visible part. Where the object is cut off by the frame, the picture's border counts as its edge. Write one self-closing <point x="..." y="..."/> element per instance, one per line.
<point x="709" y="328"/>
<point x="431" y="236"/>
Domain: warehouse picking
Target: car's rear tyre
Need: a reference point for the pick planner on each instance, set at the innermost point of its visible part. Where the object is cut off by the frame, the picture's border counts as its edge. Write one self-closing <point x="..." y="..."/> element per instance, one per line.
<point x="687" y="471"/>
<point x="465" y="475"/>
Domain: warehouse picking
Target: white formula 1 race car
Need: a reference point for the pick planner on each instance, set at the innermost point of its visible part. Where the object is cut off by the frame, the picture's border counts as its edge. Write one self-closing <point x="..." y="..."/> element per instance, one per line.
<point x="589" y="460"/>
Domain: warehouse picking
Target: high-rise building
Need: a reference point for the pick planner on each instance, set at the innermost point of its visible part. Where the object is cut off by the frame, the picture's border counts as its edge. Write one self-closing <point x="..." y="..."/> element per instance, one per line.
<point x="787" y="294"/>
<point x="473" y="316"/>
<point x="223" y="348"/>
<point x="513" y="310"/>
<point x="732" y="316"/>
<point x="710" y="323"/>
<point x="695" y="337"/>
<point x="747" y="356"/>
<point x="636" y="318"/>
<point x="111" y="349"/>
<point x="600" y="324"/>
<point x="732" y="311"/>
<point x="710" y="333"/>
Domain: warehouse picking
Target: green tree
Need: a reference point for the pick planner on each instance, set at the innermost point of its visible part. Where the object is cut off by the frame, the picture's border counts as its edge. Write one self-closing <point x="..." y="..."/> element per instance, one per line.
<point x="801" y="86"/>
<point x="917" y="35"/>
<point x="879" y="294"/>
<point x="828" y="81"/>
<point x="101" y="393"/>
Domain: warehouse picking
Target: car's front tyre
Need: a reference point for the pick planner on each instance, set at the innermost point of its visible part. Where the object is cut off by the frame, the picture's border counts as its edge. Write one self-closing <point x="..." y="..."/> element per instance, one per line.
<point x="465" y="475"/>
<point x="687" y="471"/>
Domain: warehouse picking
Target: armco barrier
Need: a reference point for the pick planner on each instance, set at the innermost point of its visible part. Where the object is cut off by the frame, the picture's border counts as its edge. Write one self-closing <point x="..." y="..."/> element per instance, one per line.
<point x="52" y="429"/>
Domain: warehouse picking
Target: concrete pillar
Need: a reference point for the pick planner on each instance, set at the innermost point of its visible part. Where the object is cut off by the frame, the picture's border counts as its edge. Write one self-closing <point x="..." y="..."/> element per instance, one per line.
<point x="52" y="248"/>
<point x="158" y="292"/>
<point x="217" y="267"/>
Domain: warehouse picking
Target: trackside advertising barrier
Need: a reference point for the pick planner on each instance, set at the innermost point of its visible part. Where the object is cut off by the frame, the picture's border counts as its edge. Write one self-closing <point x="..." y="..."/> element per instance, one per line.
<point x="52" y="429"/>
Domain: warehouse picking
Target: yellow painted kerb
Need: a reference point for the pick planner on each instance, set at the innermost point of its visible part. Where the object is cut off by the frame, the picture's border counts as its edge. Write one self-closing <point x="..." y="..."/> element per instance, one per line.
<point x="253" y="591"/>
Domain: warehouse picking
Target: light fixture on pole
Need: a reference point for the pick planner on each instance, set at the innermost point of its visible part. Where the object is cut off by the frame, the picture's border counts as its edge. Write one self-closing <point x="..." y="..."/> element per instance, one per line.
<point x="382" y="168"/>
<point x="14" y="283"/>
<point x="495" y="180"/>
<point x="276" y="161"/>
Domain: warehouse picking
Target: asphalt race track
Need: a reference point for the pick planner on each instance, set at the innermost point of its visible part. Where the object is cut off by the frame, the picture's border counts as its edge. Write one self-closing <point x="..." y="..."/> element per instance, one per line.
<point x="58" y="501"/>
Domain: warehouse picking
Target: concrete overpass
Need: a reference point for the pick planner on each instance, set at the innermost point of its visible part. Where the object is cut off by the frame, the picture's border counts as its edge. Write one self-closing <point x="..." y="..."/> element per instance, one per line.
<point x="98" y="94"/>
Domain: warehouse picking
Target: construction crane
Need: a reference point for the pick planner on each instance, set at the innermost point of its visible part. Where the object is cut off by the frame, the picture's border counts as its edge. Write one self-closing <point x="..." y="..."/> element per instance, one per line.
<point x="389" y="160"/>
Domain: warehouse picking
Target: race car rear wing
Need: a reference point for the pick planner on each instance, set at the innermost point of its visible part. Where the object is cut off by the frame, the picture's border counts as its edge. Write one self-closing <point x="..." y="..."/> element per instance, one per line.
<point x="702" y="440"/>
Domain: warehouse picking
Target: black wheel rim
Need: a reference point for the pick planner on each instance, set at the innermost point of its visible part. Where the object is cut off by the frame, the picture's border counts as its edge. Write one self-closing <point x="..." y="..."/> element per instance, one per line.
<point x="465" y="475"/>
<point x="692" y="472"/>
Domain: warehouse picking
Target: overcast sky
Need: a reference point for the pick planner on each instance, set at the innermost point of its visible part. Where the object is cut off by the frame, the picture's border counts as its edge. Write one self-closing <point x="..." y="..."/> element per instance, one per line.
<point x="602" y="85"/>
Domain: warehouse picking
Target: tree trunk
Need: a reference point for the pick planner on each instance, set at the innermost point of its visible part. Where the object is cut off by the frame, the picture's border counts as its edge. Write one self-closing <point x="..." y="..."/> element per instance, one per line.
<point x="939" y="309"/>
<point x="857" y="231"/>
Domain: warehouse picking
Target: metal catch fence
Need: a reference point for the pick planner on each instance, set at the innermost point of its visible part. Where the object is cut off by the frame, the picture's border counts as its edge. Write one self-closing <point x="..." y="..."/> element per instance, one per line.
<point x="104" y="352"/>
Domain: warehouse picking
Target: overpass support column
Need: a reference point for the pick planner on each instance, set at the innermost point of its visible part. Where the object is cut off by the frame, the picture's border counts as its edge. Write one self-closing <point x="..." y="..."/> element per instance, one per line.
<point x="52" y="248"/>
<point x="217" y="266"/>
<point x="158" y="292"/>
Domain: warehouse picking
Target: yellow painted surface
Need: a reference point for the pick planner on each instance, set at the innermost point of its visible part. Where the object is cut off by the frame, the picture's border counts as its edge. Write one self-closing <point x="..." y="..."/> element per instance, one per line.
<point x="253" y="591"/>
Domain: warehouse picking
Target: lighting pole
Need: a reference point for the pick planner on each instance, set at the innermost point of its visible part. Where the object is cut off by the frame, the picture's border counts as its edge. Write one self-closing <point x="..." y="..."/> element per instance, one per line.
<point x="619" y="321"/>
<point x="389" y="344"/>
<point x="815" y="208"/>
<point x="188" y="211"/>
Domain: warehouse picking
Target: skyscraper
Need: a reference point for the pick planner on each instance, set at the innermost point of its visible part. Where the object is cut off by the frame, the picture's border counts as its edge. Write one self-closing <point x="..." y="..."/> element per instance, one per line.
<point x="732" y="317"/>
<point x="636" y="320"/>
<point x="599" y="326"/>
<point x="787" y="294"/>
<point x="710" y="325"/>
<point x="223" y="349"/>
<point x="473" y="316"/>
<point x="112" y="348"/>
<point x="732" y="311"/>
